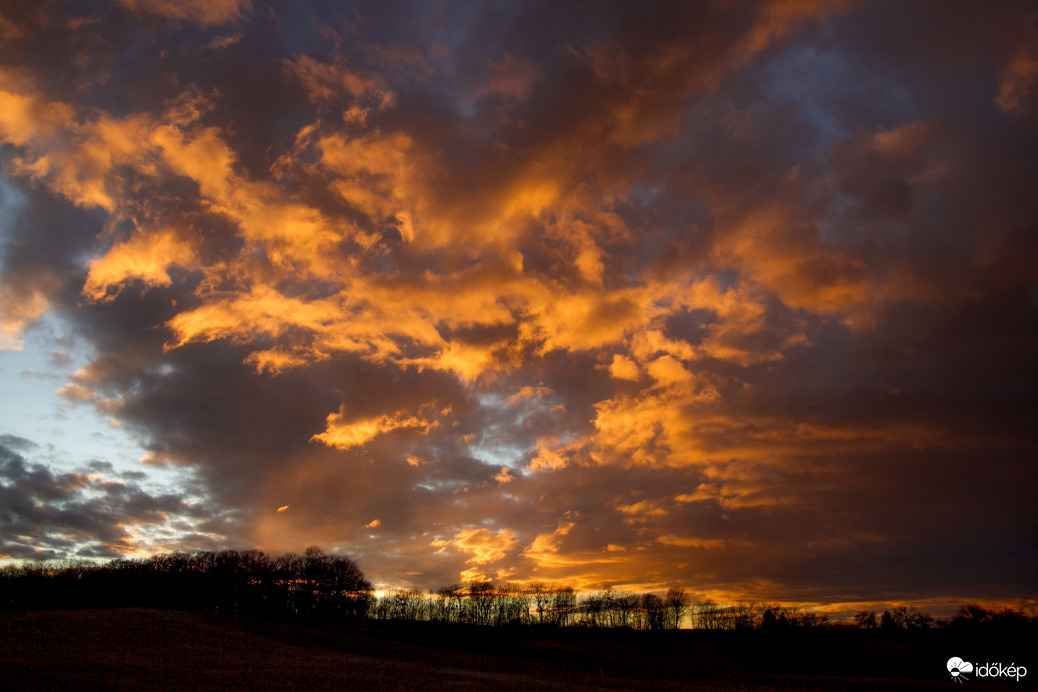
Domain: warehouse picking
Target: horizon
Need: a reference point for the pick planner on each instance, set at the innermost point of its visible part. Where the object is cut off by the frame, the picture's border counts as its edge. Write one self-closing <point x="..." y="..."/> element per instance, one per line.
<point x="935" y="614"/>
<point x="736" y="296"/>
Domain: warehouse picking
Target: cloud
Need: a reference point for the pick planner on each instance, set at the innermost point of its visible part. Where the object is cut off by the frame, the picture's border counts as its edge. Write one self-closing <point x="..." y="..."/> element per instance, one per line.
<point x="484" y="545"/>
<point x="346" y="435"/>
<point x="690" y="542"/>
<point x="200" y="11"/>
<point x="145" y="259"/>
<point x="324" y="82"/>
<point x="720" y="294"/>
<point x="512" y="77"/>
<point x="90" y="512"/>
<point x="1018" y="87"/>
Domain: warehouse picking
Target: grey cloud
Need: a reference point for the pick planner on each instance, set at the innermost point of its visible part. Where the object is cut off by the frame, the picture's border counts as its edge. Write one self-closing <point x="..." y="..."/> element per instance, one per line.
<point x="49" y="514"/>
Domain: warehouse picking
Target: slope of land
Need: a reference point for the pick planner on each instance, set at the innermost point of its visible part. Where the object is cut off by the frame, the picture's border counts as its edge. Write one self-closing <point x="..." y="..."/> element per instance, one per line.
<point x="133" y="649"/>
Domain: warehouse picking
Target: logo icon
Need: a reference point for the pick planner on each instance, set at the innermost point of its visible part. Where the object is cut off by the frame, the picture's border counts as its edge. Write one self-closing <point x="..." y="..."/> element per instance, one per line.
<point x="957" y="667"/>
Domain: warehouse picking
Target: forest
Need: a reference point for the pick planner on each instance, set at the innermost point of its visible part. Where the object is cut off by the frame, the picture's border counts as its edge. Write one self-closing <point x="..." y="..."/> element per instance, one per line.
<point x="319" y="586"/>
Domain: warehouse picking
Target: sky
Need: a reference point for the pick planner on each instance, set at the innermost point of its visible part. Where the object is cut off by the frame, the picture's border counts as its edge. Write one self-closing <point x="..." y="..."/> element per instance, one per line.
<point x="741" y="296"/>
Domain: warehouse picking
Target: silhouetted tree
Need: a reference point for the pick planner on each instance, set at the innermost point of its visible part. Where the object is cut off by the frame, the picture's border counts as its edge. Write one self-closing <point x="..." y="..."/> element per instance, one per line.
<point x="514" y="605"/>
<point x="1010" y="619"/>
<point x="563" y="603"/>
<point x="865" y="619"/>
<point x="449" y="603"/>
<point x="344" y="588"/>
<point x="624" y="605"/>
<point x="592" y="610"/>
<point x="481" y="601"/>
<point x="707" y="615"/>
<point x="907" y="616"/>
<point x="972" y="614"/>
<point x="772" y="619"/>
<point x="541" y="595"/>
<point x="230" y="581"/>
<point x="676" y="602"/>
<point x="655" y="611"/>
<point x="400" y="604"/>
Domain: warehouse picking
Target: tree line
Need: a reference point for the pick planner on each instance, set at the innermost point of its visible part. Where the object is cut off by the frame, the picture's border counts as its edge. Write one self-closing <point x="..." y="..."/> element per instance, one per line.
<point x="248" y="582"/>
<point x="331" y="587"/>
<point x="483" y="603"/>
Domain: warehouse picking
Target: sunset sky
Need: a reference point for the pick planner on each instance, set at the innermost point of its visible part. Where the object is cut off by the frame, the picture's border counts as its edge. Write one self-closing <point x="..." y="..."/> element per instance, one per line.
<point x="736" y="295"/>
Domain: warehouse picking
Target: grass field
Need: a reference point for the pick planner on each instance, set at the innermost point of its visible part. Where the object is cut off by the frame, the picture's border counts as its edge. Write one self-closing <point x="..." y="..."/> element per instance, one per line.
<point x="134" y="649"/>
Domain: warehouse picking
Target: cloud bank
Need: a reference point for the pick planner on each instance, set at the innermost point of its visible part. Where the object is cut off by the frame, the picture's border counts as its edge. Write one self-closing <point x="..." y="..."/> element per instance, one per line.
<point x="741" y="296"/>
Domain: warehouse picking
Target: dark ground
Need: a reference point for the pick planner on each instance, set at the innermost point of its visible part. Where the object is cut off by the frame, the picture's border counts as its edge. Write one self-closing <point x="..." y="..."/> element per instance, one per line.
<point x="133" y="649"/>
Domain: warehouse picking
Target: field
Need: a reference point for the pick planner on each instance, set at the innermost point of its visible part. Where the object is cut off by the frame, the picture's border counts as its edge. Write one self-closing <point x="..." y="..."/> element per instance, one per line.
<point x="133" y="649"/>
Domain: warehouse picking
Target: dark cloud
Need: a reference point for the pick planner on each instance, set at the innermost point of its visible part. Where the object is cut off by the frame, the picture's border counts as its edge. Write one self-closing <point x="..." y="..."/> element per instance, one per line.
<point x="734" y="295"/>
<point x="78" y="514"/>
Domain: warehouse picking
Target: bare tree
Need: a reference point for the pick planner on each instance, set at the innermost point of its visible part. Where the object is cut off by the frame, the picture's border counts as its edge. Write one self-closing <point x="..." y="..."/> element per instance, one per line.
<point x="908" y="616"/>
<point x="329" y="586"/>
<point x="406" y="604"/>
<point x="655" y="613"/>
<point x="481" y="601"/>
<point x="541" y="594"/>
<point x="865" y="619"/>
<point x="592" y="610"/>
<point x="449" y="602"/>
<point x="514" y="605"/>
<point x="704" y="615"/>
<point x="677" y="603"/>
<point x="609" y="616"/>
<point x="743" y="616"/>
<point x="563" y="603"/>
<point x="625" y="605"/>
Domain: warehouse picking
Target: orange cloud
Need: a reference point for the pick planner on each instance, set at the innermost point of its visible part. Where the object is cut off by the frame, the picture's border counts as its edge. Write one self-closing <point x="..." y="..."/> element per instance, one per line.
<point x="773" y="246"/>
<point x="641" y="512"/>
<point x="74" y="153"/>
<point x="200" y="11"/>
<point x="484" y="545"/>
<point x="19" y="310"/>
<point x="777" y="17"/>
<point x="325" y="81"/>
<point x="24" y="117"/>
<point x="623" y="368"/>
<point x="344" y="435"/>
<point x="668" y="371"/>
<point x="583" y="320"/>
<point x="143" y="257"/>
<point x="545" y="549"/>
<point x="552" y="452"/>
<point x="583" y="569"/>
<point x="651" y="428"/>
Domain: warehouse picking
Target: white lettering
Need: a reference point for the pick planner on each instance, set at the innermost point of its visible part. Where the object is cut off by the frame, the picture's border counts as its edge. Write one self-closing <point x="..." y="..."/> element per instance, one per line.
<point x="999" y="670"/>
